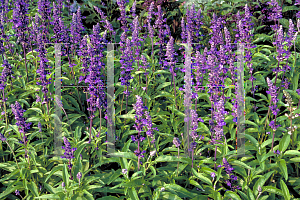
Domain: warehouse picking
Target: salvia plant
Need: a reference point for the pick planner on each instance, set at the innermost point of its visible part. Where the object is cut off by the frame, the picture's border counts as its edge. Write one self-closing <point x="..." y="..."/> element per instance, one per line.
<point x="168" y="99"/>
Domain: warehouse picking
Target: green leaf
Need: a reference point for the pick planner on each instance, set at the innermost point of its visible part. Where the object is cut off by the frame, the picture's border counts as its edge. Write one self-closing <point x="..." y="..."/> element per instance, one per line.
<point x="288" y="8"/>
<point x="133" y="194"/>
<point x="9" y="190"/>
<point x="36" y="110"/>
<point x="133" y="183"/>
<point x="49" y="188"/>
<point x="261" y="181"/>
<point x="251" y="123"/>
<point x="163" y="85"/>
<point x="217" y="196"/>
<point x="33" y="188"/>
<point x="261" y="56"/>
<point x="195" y="183"/>
<point x="24" y="101"/>
<point x="161" y="72"/>
<point x="267" y="142"/>
<point x="128" y="155"/>
<point x="166" y="158"/>
<point x="284" y="22"/>
<point x="272" y="189"/>
<point x="170" y="196"/>
<point x="232" y="195"/>
<point x="285" y="190"/>
<point x="26" y="93"/>
<point x="208" y="170"/>
<point x="250" y="194"/>
<point x="127" y="116"/>
<point x="295" y="159"/>
<point x="74" y="117"/>
<point x="295" y="80"/>
<point x="73" y="101"/>
<point x="65" y="175"/>
<point x="264" y="157"/>
<point x="15" y="128"/>
<point x="261" y="37"/>
<point x="242" y="194"/>
<point x="292" y="153"/>
<point x="108" y="198"/>
<point x="88" y="196"/>
<point x="114" y="176"/>
<point x="284" y="142"/>
<point x="79" y="150"/>
<point x="201" y="177"/>
<point x="33" y="119"/>
<point x="153" y="171"/>
<point x="283" y="168"/>
<point x="252" y="140"/>
<point x="296" y="111"/>
<point x="177" y="112"/>
<point x="219" y="173"/>
<point x="165" y="94"/>
<point x="48" y="196"/>
<point x="240" y="163"/>
<point x="180" y="190"/>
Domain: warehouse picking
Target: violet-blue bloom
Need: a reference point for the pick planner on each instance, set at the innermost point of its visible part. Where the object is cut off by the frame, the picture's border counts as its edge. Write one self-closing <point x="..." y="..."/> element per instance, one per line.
<point x="2" y="138"/>
<point x="176" y="142"/>
<point x="6" y="73"/>
<point x="69" y="151"/>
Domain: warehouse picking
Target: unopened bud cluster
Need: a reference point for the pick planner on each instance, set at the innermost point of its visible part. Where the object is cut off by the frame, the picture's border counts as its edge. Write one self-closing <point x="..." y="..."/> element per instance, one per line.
<point x="290" y="104"/>
<point x="292" y="115"/>
<point x="290" y="130"/>
<point x="288" y="97"/>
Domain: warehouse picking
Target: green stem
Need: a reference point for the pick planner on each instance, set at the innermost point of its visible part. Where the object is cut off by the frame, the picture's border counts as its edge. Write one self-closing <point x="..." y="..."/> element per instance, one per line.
<point x="178" y="162"/>
<point x="5" y="109"/>
<point x="13" y="154"/>
<point x="25" y="62"/>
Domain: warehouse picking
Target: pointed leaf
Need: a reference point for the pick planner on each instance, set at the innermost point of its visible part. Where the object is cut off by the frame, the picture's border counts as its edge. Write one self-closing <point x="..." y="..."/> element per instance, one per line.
<point x="33" y="188"/>
<point x="133" y="194"/>
<point x="292" y="153"/>
<point x="285" y="190"/>
<point x="9" y="190"/>
<point x="179" y="190"/>
<point x="48" y="196"/>
<point x="201" y="177"/>
<point x="283" y="168"/>
<point x="284" y="142"/>
<point x="250" y="194"/>
<point x="272" y="189"/>
<point x="65" y="175"/>
<point x="252" y="140"/>
<point x="232" y="195"/>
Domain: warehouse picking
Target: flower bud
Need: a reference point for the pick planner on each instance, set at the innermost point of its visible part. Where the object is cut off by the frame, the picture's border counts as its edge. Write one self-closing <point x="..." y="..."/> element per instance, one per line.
<point x="259" y="189"/>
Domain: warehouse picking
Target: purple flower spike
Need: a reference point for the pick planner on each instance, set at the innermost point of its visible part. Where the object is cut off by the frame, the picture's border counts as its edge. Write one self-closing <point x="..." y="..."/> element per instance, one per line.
<point x="2" y="137"/>
<point x="18" y="112"/>
<point x="6" y="72"/>
<point x="139" y="153"/>
<point x="40" y="127"/>
<point x="176" y="142"/>
<point x="69" y="152"/>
